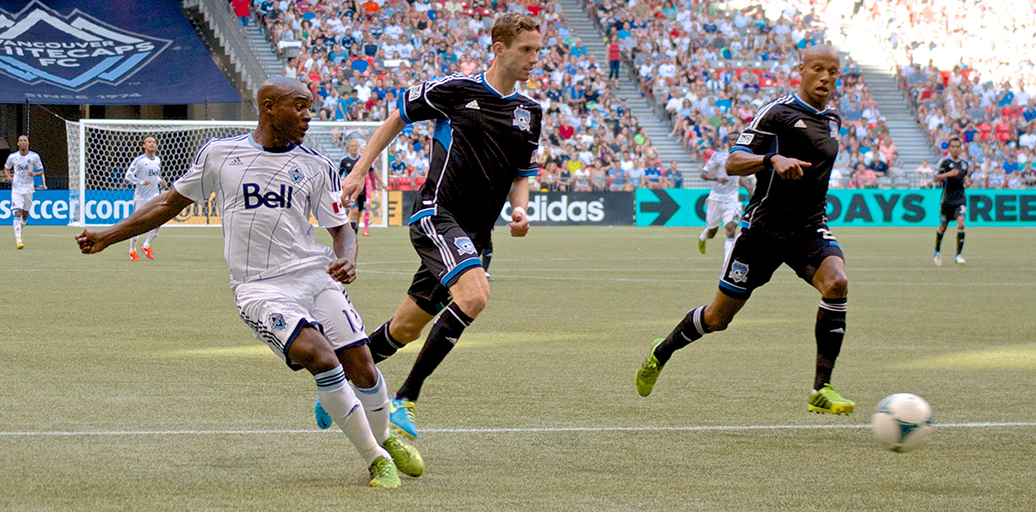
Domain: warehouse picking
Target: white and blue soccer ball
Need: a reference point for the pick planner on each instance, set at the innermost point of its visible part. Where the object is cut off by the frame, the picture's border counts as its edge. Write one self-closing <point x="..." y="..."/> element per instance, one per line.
<point x="903" y="422"/>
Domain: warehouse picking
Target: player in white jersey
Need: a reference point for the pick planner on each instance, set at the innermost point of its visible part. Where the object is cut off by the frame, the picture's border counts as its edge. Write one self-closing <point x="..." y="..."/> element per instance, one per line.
<point x="25" y="165"/>
<point x="723" y="206"/>
<point x="145" y="173"/>
<point x="287" y="287"/>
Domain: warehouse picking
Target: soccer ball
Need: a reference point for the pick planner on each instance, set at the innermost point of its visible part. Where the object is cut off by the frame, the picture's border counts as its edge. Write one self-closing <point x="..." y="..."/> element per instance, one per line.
<point x="903" y="422"/>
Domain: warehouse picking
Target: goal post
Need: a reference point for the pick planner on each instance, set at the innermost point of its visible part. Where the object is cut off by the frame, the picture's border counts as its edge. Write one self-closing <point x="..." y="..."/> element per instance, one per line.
<point x="100" y="151"/>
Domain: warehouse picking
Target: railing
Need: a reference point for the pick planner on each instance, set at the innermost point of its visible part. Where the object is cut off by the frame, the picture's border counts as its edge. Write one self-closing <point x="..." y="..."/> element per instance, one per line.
<point x="227" y="28"/>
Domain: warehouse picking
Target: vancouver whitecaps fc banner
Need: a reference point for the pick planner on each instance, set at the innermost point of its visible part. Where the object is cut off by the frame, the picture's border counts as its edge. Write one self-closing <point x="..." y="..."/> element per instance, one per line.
<point x="104" y="52"/>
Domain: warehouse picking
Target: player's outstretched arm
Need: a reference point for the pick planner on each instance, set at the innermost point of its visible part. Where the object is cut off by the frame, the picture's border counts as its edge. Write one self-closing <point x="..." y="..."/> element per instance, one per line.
<point x="743" y="163"/>
<point x="156" y="212"/>
<point x="353" y="184"/>
<point x="519" y="197"/>
<point x="343" y="239"/>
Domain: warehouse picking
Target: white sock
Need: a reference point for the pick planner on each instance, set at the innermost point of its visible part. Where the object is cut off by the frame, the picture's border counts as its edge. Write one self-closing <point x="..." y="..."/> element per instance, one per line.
<point x="18" y="228"/>
<point x="341" y="405"/>
<point x="704" y="235"/>
<point x="727" y="246"/>
<point x="376" y="405"/>
<point x="25" y="221"/>
<point x="150" y="237"/>
<point x="133" y="244"/>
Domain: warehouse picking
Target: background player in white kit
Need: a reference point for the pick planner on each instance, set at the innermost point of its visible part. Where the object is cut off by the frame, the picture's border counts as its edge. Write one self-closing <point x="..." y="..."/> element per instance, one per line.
<point x="146" y="174"/>
<point x="723" y="206"/>
<point x="287" y="287"/>
<point x="25" y="165"/>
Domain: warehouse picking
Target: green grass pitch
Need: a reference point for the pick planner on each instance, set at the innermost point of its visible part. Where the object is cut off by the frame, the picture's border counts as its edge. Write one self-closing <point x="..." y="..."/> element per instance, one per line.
<point x="135" y="386"/>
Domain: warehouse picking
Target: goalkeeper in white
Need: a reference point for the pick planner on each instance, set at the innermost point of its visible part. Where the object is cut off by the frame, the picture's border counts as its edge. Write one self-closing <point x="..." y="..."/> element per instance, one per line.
<point x="145" y="173"/>
<point x="288" y="288"/>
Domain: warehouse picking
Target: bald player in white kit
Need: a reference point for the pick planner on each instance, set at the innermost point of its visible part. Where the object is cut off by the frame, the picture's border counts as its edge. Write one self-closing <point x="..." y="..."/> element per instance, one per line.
<point x="288" y="288"/>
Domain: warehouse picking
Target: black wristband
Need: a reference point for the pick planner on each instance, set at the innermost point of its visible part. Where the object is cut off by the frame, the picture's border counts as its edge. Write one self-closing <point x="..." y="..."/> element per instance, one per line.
<point x="767" y="164"/>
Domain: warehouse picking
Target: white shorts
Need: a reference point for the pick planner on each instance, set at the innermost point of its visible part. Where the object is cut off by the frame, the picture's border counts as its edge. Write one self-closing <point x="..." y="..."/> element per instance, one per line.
<point x="139" y="203"/>
<point x="277" y="309"/>
<point x="719" y="213"/>
<point x="21" y="199"/>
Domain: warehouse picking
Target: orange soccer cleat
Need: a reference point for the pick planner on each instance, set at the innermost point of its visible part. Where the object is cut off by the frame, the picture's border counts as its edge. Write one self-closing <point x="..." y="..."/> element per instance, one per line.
<point x="147" y="252"/>
<point x="133" y="256"/>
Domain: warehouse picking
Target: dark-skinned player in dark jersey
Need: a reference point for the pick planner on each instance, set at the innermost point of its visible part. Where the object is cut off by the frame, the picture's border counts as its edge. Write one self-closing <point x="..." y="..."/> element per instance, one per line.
<point x="952" y="174"/>
<point x="790" y="146"/>
<point x="483" y="151"/>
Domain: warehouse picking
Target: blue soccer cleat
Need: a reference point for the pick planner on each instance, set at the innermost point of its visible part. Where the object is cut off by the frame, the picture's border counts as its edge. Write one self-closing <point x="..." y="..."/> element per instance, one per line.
<point x="323" y="420"/>
<point x="401" y="417"/>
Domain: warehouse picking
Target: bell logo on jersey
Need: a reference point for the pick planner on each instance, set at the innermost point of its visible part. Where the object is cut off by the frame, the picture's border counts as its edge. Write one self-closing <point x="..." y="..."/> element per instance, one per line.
<point x="522" y="119"/>
<point x="253" y="199"/>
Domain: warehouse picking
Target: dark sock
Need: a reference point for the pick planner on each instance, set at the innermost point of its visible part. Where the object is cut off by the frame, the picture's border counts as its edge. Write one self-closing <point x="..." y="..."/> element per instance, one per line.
<point x="444" y="335"/>
<point x="938" y="240"/>
<point x="487" y="256"/>
<point x="382" y="344"/>
<point x="960" y="241"/>
<point x="688" y="330"/>
<point x="830" y="331"/>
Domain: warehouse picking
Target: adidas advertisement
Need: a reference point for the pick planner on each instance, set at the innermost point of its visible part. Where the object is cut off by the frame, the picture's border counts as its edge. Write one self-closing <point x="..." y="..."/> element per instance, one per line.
<point x="103" y="52"/>
<point x="576" y="208"/>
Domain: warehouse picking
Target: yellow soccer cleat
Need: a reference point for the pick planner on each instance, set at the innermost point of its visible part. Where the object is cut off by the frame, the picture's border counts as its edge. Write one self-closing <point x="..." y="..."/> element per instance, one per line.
<point x="407" y="459"/>
<point x="827" y="400"/>
<point x="648" y="372"/>
<point x="383" y="473"/>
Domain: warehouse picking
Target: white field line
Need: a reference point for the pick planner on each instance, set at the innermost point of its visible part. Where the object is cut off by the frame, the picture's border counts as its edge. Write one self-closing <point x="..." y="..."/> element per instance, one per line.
<point x="516" y="430"/>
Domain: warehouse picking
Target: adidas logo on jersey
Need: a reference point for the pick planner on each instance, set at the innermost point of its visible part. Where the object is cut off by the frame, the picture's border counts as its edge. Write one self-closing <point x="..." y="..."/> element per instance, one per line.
<point x="236" y="161"/>
<point x="800" y="124"/>
<point x="472" y="105"/>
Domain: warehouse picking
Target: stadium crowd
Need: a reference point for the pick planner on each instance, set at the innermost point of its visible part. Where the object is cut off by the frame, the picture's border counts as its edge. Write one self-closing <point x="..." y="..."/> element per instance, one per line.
<point x="967" y="67"/>
<point x="358" y="57"/>
<point x="708" y="70"/>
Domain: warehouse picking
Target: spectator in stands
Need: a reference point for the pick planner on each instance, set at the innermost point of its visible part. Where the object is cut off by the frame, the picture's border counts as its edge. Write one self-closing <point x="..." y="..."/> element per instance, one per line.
<point x="674" y="176"/>
<point x="865" y="177"/>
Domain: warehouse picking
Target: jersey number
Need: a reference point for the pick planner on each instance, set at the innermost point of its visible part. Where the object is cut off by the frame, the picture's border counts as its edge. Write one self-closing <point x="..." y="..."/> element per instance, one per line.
<point x="826" y="234"/>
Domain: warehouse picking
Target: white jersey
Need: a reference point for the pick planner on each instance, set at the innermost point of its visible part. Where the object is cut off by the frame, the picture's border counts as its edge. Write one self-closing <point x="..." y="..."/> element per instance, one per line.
<point x="22" y="165"/>
<point x="265" y="199"/>
<point x="145" y="169"/>
<point x="717" y="168"/>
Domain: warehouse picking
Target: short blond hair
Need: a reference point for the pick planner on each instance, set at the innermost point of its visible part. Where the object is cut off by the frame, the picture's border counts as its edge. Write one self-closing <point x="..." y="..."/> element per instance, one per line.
<point x="508" y="26"/>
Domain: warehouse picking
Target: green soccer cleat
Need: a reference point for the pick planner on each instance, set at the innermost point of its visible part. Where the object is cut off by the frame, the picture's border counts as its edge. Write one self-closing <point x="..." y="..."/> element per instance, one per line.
<point x="407" y="459"/>
<point x="401" y="417"/>
<point x="701" y="246"/>
<point x="383" y="473"/>
<point x="827" y="399"/>
<point x="648" y="372"/>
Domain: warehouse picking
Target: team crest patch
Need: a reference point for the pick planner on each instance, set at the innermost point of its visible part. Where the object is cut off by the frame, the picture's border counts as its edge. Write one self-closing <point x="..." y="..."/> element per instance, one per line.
<point x="277" y="322"/>
<point x="522" y="119"/>
<point x="834" y="129"/>
<point x="71" y="51"/>
<point x="738" y="272"/>
<point x="415" y="92"/>
<point x="295" y="175"/>
<point x="745" y="139"/>
<point x="464" y="245"/>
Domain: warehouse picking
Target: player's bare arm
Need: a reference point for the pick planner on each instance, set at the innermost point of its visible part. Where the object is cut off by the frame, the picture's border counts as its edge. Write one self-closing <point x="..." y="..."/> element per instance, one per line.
<point x="344" y="243"/>
<point x="519" y="197"/>
<point x="353" y="184"/>
<point x="156" y="212"/>
<point x="743" y="163"/>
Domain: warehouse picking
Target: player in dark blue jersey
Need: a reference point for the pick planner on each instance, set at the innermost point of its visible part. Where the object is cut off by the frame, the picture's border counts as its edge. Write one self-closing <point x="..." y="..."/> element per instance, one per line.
<point x="952" y="173"/>
<point x="483" y="151"/>
<point x="790" y="146"/>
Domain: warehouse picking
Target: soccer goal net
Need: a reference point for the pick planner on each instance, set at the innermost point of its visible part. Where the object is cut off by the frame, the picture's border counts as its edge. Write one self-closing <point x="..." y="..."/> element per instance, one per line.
<point x="100" y="151"/>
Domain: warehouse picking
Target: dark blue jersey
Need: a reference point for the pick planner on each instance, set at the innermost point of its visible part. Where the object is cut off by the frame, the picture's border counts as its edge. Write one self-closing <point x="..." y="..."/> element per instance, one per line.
<point x="791" y="128"/>
<point x="953" y="186"/>
<point x="482" y="142"/>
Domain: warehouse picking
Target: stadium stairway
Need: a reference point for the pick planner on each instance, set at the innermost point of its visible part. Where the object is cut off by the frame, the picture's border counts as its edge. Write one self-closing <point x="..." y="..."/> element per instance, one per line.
<point x="263" y="50"/>
<point x="669" y="149"/>
<point x="879" y="75"/>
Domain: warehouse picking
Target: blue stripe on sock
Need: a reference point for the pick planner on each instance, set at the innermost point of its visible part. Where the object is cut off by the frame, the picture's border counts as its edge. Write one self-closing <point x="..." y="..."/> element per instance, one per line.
<point x="376" y="388"/>
<point x="331" y="379"/>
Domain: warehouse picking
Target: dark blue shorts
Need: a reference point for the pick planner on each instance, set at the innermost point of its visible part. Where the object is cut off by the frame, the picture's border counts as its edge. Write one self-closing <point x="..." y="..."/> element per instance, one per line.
<point x="447" y="251"/>
<point x="758" y="253"/>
